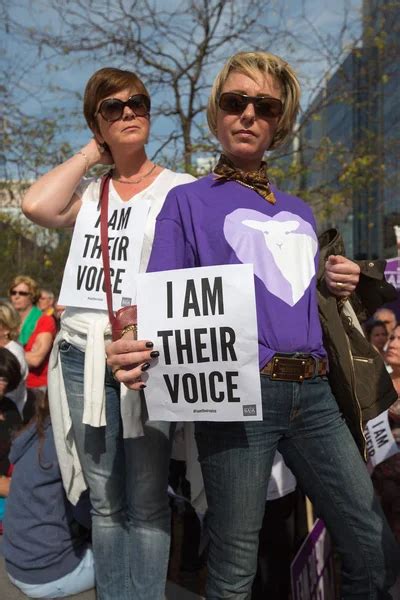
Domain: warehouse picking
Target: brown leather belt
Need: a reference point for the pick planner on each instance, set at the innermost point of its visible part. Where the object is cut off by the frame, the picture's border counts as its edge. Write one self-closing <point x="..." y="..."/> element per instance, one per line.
<point x="295" y="368"/>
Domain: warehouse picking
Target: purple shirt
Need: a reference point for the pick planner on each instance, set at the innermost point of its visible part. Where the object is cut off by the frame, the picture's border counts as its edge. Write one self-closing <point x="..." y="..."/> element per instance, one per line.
<point x="210" y="222"/>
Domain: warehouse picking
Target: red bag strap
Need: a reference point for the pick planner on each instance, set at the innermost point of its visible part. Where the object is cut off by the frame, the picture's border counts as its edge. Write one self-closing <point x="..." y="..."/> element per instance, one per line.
<point x="104" y="193"/>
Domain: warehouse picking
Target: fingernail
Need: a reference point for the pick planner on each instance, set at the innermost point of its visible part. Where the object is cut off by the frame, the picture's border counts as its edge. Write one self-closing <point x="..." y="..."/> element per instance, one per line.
<point x="145" y="366"/>
<point x="142" y="386"/>
<point x="154" y="354"/>
<point x="149" y="344"/>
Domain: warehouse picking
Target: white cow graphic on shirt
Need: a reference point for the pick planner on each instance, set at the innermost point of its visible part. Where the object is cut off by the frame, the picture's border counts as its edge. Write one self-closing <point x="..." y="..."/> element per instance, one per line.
<point x="293" y="253"/>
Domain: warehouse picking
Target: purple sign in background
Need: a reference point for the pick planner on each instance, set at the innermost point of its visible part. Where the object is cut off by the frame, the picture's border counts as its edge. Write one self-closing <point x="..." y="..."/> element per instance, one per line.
<point x="312" y="569"/>
<point x="392" y="274"/>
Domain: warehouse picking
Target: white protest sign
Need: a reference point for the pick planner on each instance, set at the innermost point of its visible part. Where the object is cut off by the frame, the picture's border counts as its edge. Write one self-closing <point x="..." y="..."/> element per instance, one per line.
<point x="203" y="322"/>
<point x="381" y="444"/>
<point x="83" y="281"/>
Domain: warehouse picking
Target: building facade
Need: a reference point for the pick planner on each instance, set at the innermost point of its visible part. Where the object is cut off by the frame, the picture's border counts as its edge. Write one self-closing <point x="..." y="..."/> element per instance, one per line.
<point x="350" y="139"/>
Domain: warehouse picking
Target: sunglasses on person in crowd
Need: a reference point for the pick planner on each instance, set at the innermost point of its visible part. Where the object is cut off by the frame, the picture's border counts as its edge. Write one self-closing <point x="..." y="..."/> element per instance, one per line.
<point x="264" y="106"/>
<point x="112" y="109"/>
<point x="19" y="293"/>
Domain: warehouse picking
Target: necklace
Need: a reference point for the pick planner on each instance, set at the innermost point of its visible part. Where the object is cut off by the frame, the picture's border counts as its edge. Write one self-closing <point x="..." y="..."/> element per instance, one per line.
<point x="140" y="178"/>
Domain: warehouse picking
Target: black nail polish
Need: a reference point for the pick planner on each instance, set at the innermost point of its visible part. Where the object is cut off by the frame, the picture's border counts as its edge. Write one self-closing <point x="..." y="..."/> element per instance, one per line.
<point x="154" y="354"/>
<point x="145" y="366"/>
<point x="149" y="344"/>
<point x="142" y="386"/>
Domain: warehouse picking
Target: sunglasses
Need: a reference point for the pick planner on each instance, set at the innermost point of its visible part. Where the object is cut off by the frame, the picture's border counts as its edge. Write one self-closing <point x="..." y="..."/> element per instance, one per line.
<point x="19" y="293"/>
<point x="112" y="109"/>
<point x="264" y="106"/>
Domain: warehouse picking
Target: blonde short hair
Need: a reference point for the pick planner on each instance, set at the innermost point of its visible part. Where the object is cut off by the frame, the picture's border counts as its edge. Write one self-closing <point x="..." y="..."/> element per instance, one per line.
<point x="31" y="285"/>
<point x="9" y="319"/>
<point x="252" y="64"/>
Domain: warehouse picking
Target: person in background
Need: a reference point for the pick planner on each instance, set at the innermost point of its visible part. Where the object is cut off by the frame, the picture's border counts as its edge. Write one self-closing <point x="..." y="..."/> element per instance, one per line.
<point x="37" y="330"/>
<point x="24" y="294"/>
<point x="9" y="328"/>
<point x="46" y="302"/>
<point x="388" y="317"/>
<point x="46" y="552"/>
<point x="393" y="357"/>
<point x="376" y="333"/>
<point x="386" y="475"/>
<point x="10" y="420"/>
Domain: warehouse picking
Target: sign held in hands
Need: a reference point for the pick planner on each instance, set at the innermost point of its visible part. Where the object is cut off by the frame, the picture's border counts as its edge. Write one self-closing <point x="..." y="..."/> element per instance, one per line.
<point x="203" y="323"/>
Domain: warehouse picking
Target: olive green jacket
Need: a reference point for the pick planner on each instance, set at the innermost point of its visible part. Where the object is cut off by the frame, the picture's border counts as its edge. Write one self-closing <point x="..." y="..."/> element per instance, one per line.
<point x="357" y="374"/>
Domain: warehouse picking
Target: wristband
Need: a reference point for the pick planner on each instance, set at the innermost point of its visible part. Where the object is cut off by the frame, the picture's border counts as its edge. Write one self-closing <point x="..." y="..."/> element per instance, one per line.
<point x="86" y="160"/>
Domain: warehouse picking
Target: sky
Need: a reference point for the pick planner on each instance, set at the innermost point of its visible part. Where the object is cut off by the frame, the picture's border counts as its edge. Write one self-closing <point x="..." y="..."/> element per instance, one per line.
<point x="32" y="71"/>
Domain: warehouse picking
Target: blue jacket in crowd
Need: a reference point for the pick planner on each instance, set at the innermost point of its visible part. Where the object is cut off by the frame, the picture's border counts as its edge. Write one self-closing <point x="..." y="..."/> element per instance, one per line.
<point x="40" y="540"/>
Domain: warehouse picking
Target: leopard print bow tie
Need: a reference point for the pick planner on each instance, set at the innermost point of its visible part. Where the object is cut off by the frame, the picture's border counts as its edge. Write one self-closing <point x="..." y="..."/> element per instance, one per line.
<point x="256" y="180"/>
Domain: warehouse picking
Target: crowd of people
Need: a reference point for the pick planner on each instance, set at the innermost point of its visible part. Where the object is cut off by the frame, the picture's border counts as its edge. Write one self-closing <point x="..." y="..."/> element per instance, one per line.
<point x="26" y="339"/>
<point x="77" y="422"/>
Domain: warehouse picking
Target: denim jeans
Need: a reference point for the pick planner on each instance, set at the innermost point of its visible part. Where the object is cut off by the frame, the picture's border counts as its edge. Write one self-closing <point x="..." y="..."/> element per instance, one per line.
<point x="79" y="580"/>
<point x="128" y="482"/>
<point x="303" y="422"/>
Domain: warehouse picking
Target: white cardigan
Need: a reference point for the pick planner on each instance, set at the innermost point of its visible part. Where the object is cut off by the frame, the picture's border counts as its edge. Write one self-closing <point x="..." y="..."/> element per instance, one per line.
<point x="94" y="331"/>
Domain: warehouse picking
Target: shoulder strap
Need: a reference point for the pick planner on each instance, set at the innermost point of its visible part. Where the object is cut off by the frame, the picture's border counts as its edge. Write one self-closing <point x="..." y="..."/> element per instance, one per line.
<point x="104" y="193"/>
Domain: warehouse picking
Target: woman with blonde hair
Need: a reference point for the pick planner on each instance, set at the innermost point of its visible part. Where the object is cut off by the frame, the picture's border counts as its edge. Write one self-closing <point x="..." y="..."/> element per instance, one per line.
<point x="24" y="293"/>
<point x="9" y="330"/>
<point x="37" y="331"/>
<point x="253" y="105"/>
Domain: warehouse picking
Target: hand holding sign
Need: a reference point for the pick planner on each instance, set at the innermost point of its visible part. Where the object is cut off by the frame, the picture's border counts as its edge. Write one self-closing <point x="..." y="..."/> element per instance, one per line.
<point x="127" y="359"/>
<point x="203" y="322"/>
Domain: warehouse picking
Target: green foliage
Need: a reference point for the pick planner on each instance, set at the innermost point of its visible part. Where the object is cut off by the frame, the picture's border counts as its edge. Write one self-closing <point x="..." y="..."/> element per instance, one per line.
<point x="20" y="254"/>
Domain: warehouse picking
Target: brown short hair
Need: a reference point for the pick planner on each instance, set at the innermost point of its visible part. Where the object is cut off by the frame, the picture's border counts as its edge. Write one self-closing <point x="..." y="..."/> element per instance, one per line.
<point x="9" y="319"/>
<point x="252" y="64"/>
<point x="30" y="283"/>
<point x="105" y="82"/>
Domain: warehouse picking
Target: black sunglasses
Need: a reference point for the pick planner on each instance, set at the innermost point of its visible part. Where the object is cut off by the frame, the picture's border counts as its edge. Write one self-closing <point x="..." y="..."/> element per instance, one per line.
<point x="264" y="106"/>
<point x="18" y="293"/>
<point x="112" y="109"/>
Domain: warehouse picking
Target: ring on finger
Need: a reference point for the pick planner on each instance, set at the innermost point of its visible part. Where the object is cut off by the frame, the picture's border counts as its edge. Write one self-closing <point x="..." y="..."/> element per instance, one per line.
<point x="115" y="371"/>
<point x="339" y="284"/>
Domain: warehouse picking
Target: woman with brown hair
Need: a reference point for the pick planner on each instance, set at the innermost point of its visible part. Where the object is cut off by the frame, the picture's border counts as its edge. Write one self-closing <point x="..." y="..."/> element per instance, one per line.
<point x="376" y="333"/>
<point x="103" y="436"/>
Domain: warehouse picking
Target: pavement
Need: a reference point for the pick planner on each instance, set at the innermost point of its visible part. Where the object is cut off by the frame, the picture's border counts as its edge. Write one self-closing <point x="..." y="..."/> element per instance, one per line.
<point x="9" y="592"/>
<point x="182" y="585"/>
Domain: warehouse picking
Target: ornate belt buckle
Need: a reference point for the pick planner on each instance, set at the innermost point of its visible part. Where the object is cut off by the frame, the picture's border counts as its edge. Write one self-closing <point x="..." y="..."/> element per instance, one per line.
<point x="289" y="369"/>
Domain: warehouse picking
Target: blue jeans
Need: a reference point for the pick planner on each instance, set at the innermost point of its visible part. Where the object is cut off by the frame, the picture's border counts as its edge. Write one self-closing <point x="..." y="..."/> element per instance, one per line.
<point x="79" y="580"/>
<point x="128" y="482"/>
<point x="303" y="422"/>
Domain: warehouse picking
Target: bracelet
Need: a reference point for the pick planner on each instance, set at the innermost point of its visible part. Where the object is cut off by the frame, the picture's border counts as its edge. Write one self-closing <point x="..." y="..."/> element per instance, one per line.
<point x="132" y="327"/>
<point x="86" y="160"/>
